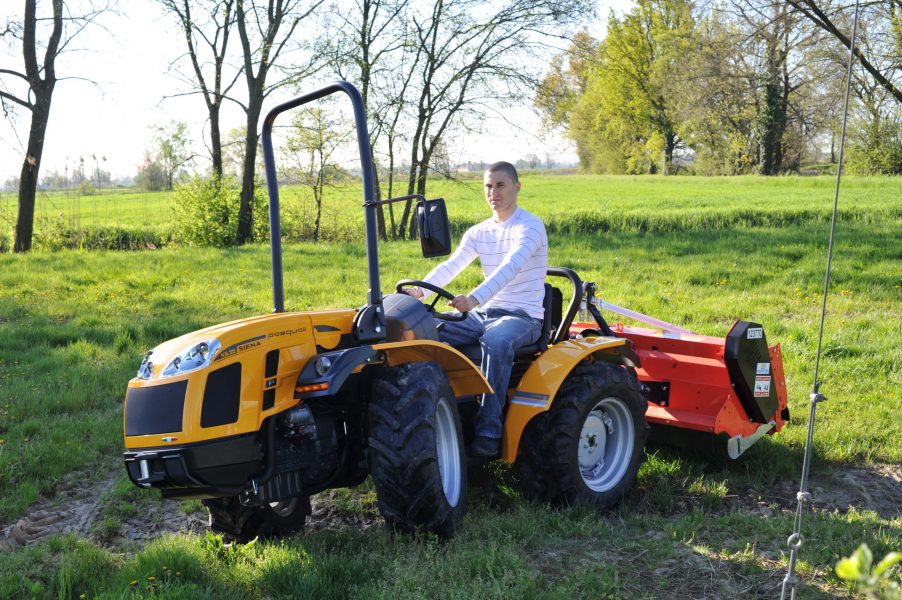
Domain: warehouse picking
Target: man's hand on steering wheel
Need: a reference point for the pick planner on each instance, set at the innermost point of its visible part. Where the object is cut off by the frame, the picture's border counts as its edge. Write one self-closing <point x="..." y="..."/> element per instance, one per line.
<point x="406" y="286"/>
<point x="464" y="303"/>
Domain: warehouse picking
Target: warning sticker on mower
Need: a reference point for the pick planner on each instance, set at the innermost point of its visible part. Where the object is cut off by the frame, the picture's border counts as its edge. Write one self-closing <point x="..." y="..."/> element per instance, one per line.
<point x="762" y="386"/>
<point x="754" y="333"/>
<point x="763" y="369"/>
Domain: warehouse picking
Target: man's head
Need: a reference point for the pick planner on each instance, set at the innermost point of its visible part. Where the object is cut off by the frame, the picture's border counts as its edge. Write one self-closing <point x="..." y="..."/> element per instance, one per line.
<point x="501" y="188"/>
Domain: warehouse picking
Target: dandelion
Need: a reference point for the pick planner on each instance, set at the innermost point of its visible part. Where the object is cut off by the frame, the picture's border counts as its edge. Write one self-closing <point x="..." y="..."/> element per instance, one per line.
<point x="151" y="578"/>
<point x="178" y="573"/>
<point x="134" y="583"/>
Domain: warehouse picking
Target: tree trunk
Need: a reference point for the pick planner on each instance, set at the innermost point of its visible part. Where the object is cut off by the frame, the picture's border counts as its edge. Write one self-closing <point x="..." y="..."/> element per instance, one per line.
<point x="246" y="208"/>
<point x="28" y="178"/>
<point x="377" y="193"/>
<point x="669" y="145"/>
<point x="215" y="141"/>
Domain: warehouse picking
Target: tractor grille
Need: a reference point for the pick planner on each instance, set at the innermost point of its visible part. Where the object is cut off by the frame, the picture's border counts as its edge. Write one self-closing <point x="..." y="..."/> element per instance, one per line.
<point x="155" y="409"/>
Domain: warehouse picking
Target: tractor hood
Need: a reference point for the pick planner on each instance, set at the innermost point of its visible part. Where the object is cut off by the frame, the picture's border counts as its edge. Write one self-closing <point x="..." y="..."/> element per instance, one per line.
<point x="213" y="345"/>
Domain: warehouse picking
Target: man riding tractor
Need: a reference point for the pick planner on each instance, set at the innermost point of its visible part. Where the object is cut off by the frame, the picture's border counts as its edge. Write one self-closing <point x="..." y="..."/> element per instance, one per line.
<point x="505" y="311"/>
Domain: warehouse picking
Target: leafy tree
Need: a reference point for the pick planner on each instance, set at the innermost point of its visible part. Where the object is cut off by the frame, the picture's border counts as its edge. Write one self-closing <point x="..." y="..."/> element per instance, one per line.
<point x="52" y="34"/>
<point x="151" y="175"/>
<point x="172" y="149"/>
<point x="620" y="102"/>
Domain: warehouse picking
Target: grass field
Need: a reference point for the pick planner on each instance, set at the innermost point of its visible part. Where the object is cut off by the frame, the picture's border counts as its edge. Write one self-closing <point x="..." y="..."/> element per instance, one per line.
<point x="699" y="252"/>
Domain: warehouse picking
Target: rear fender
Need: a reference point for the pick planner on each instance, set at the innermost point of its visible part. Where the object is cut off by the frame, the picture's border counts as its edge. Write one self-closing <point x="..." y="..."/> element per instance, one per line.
<point x="464" y="376"/>
<point x="538" y="386"/>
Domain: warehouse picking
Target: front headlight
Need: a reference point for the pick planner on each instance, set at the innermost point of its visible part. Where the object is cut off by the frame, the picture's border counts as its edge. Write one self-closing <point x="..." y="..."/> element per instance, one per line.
<point x="145" y="371"/>
<point x="196" y="356"/>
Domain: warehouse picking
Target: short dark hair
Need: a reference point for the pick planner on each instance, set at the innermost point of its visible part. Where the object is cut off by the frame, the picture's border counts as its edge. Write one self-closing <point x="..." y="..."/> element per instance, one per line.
<point x="505" y="166"/>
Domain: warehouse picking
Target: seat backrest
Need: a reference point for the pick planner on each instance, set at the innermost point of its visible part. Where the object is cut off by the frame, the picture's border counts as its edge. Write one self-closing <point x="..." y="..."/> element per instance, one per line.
<point x="553" y="304"/>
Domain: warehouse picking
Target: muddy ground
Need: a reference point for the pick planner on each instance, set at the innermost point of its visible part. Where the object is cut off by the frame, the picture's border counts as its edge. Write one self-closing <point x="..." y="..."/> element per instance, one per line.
<point x="82" y="509"/>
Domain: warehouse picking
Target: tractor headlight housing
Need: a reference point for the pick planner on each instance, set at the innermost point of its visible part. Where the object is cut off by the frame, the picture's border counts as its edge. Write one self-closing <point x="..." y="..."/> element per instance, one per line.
<point x="145" y="371"/>
<point x="196" y="356"/>
<point x="322" y="365"/>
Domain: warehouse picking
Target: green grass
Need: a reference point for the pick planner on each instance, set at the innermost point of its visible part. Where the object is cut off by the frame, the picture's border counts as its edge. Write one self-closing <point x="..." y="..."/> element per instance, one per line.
<point x="699" y="252"/>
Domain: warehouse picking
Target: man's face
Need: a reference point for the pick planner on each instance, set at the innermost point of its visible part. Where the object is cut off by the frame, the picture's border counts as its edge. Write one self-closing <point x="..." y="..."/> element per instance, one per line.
<point x="501" y="193"/>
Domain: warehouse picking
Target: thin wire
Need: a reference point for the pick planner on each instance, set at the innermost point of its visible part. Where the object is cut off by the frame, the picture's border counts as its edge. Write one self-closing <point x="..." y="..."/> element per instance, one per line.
<point x="796" y="540"/>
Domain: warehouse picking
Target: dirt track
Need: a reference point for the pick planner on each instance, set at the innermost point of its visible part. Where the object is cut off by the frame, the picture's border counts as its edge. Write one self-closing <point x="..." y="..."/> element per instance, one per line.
<point x="78" y="508"/>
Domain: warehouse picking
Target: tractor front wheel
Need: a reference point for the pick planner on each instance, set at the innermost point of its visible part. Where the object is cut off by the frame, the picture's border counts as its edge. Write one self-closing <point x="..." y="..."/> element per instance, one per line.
<point x="243" y="523"/>
<point x="594" y="438"/>
<point x="416" y="450"/>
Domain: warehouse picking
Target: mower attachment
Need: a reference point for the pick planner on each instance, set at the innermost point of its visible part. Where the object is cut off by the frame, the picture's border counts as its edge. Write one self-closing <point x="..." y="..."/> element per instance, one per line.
<point x="718" y="394"/>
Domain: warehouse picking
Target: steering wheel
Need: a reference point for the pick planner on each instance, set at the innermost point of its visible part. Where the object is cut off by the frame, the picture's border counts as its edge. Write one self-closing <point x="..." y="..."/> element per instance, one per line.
<point x="439" y="293"/>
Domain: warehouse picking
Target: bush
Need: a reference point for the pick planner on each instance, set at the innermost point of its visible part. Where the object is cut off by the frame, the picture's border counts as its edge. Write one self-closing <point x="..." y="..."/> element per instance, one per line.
<point x="60" y="236"/>
<point x="205" y="212"/>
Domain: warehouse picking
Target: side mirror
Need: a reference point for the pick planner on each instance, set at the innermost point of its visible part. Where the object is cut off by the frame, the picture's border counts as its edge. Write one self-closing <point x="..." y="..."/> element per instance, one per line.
<point x="434" y="227"/>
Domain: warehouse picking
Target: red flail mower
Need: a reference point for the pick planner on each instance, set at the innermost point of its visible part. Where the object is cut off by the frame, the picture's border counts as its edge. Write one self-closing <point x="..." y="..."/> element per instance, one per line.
<point x="717" y="395"/>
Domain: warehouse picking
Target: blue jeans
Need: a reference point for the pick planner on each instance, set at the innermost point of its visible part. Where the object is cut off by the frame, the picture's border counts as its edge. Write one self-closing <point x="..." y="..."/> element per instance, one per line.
<point x="499" y="332"/>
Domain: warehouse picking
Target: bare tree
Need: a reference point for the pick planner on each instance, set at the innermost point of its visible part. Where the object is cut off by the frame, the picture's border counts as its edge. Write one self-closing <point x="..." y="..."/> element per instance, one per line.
<point x="368" y="51"/>
<point x="265" y="33"/>
<point x="207" y="40"/>
<point x="317" y="135"/>
<point x="37" y="82"/>
<point x="825" y="17"/>
<point x="471" y="62"/>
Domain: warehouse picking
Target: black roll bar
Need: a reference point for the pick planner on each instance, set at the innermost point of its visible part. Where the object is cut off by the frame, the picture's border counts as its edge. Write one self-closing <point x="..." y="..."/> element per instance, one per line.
<point x="374" y="295"/>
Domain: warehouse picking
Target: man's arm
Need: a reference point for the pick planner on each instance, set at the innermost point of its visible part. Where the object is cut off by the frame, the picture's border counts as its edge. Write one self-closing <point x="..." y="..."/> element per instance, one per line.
<point x="445" y="273"/>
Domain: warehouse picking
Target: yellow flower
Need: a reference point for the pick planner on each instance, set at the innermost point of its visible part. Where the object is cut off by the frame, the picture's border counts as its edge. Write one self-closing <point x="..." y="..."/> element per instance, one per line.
<point x="151" y="578"/>
<point x="134" y="582"/>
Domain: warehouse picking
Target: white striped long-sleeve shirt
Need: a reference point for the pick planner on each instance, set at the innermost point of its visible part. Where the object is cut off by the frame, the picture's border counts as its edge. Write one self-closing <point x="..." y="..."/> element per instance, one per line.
<point x="514" y="257"/>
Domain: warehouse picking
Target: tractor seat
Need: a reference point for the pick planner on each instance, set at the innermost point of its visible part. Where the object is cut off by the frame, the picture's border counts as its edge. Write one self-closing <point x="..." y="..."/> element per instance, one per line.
<point x="553" y="305"/>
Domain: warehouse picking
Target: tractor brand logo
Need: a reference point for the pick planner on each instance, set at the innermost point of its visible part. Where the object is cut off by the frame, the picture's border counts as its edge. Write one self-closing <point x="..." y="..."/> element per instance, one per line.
<point x="762" y="386"/>
<point x="754" y="333"/>
<point x="168" y="439"/>
<point x="763" y="369"/>
<point x="240" y="347"/>
<point x="287" y="332"/>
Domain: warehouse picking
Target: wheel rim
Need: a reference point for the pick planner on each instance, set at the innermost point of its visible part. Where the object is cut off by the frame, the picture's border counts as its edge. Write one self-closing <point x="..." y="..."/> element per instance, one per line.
<point x="606" y="444"/>
<point x="284" y="508"/>
<point x="448" y="452"/>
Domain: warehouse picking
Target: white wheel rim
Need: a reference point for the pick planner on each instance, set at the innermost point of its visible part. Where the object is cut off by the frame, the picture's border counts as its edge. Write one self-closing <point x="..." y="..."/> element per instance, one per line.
<point x="447" y="451"/>
<point x="284" y="508"/>
<point x="606" y="444"/>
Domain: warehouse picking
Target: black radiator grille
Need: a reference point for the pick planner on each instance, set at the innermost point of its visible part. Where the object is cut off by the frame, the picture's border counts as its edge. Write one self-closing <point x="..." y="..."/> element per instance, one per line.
<point x="155" y="409"/>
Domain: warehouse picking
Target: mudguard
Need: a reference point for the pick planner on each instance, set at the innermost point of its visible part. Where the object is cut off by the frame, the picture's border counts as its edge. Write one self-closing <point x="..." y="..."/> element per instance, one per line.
<point x="538" y="386"/>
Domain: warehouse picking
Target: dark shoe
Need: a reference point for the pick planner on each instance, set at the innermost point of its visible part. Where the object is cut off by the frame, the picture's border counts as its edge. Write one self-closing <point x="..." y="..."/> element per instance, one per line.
<point x="485" y="447"/>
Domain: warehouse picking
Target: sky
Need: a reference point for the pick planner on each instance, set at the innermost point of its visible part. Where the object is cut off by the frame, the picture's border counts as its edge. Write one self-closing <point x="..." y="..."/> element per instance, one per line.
<point x="120" y="71"/>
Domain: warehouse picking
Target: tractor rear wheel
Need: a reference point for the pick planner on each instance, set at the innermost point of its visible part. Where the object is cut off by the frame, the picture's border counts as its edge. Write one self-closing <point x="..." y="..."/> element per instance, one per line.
<point x="591" y="442"/>
<point x="243" y="523"/>
<point x="416" y="450"/>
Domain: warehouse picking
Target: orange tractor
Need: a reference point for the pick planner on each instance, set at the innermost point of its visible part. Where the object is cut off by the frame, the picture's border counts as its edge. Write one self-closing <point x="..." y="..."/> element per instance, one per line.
<point x="255" y="416"/>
